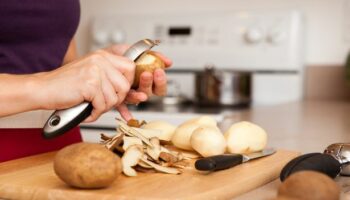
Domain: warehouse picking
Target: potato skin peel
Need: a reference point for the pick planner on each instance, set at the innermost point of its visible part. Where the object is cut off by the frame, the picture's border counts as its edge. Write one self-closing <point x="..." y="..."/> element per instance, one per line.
<point x="87" y="165"/>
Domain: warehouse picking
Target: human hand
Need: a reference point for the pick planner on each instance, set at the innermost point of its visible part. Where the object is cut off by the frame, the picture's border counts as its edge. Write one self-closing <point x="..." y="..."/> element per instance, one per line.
<point x="102" y="78"/>
<point x="150" y="84"/>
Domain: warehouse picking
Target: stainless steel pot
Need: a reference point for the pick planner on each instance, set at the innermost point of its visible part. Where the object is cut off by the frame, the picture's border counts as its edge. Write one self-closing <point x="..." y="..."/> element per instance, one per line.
<point x="227" y="88"/>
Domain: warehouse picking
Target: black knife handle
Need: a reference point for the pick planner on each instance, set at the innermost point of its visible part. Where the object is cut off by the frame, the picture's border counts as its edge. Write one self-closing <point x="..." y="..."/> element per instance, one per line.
<point x="319" y="162"/>
<point x="219" y="162"/>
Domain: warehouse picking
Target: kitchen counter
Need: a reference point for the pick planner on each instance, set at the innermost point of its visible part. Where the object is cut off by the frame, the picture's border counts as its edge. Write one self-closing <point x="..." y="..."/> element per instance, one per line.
<point x="304" y="126"/>
<point x="307" y="126"/>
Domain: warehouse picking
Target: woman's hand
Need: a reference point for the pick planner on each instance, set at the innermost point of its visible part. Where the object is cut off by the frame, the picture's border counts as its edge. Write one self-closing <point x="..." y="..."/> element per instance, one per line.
<point x="102" y="78"/>
<point x="150" y="84"/>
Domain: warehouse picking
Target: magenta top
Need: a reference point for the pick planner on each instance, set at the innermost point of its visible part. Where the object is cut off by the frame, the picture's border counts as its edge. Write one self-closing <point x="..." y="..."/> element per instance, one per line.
<point x="34" y="37"/>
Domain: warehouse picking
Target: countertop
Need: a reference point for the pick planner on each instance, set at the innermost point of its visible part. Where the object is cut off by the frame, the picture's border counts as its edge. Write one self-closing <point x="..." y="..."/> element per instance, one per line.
<point x="308" y="126"/>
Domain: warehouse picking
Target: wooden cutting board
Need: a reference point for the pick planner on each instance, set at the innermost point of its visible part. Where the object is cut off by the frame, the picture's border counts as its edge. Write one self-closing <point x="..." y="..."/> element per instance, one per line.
<point x="34" y="178"/>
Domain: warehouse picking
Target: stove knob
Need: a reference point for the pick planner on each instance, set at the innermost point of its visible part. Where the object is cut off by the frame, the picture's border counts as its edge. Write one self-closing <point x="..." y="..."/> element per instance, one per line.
<point x="118" y="36"/>
<point x="276" y="36"/>
<point x="101" y="37"/>
<point x="254" y="35"/>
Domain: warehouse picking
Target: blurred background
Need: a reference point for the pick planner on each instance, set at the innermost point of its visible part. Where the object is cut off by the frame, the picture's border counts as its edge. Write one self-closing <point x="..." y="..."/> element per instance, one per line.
<point x="324" y="32"/>
<point x="229" y="55"/>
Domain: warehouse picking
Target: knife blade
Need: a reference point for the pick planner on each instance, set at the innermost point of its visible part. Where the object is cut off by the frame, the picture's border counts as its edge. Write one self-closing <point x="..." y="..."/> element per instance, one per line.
<point x="225" y="161"/>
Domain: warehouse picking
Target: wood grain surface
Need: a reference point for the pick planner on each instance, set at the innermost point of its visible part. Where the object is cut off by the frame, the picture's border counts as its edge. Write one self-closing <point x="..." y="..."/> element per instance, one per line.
<point x="34" y="178"/>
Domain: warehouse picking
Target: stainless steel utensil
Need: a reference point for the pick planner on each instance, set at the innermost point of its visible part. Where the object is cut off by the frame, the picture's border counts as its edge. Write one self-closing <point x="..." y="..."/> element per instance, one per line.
<point x="62" y="121"/>
<point x="341" y="152"/>
<point x="215" y="88"/>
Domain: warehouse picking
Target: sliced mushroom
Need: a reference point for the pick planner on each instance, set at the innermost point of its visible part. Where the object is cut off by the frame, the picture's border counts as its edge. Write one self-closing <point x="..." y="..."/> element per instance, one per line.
<point x="131" y="158"/>
<point x="154" y="151"/>
<point x="168" y="170"/>
<point x="129" y="141"/>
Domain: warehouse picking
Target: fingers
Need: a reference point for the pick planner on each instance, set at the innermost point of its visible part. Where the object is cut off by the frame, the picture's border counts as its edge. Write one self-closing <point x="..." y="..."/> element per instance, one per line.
<point x="109" y="93"/>
<point x="165" y="59"/>
<point x="99" y="104"/>
<point x="122" y="64"/>
<point x="124" y="112"/>
<point x="135" y="97"/>
<point x="160" y="83"/>
<point x="146" y="83"/>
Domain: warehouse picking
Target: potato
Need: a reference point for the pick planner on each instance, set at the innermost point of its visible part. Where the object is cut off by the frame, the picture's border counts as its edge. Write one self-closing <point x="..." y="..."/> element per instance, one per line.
<point x="309" y="185"/>
<point x="208" y="141"/>
<point x="149" y="61"/>
<point x="166" y="128"/>
<point x="87" y="165"/>
<point x="182" y="134"/>
<point x="245" y="137"/>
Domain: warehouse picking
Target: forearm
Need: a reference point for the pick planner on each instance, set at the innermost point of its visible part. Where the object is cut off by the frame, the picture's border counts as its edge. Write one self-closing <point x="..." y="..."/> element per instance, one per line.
<point x="18" y="93"/>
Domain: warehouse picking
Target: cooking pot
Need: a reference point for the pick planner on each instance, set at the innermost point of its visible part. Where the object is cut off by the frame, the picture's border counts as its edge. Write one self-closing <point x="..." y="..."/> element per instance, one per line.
<point x="222" y="88"/>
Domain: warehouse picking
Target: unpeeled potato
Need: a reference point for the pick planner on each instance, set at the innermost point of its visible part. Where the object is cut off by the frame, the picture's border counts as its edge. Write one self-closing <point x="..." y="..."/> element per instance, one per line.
<point x="149" y="62"/>
<point x="309" y="185"/>
<point x="87" y="165"/>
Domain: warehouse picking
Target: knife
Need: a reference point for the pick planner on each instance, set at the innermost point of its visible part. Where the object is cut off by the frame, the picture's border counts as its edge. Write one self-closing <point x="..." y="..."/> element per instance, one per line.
<point x="64" y="120"/>
<point x="225" y="161"/>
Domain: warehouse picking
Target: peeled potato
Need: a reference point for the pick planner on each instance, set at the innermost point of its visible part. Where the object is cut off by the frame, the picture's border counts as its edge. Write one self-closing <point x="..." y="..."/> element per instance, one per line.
<point x="149" y="62"/>
<point x="166" y="128"/>
<point x="87" y="165"/>
<point x="204" y="120"/>
<point x="182" y="134"/>
<point x="245" y="137"/>
<point x="208" y="141"/>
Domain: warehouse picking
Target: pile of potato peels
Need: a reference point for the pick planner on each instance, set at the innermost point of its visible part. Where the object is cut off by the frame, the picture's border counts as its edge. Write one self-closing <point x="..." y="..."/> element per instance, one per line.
<point x="142" y="150"/>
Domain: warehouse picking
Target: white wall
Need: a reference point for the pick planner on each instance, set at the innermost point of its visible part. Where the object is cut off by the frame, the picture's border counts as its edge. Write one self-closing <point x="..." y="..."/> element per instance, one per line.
<point x="326" y="40"/>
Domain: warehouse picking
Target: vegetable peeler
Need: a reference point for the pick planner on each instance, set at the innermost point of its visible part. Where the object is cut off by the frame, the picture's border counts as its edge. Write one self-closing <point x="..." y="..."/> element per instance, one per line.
<point x="64" y="120"/>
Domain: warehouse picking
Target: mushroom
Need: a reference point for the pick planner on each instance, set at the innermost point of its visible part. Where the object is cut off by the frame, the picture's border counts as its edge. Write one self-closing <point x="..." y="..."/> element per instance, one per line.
<point x="131" y="158"/>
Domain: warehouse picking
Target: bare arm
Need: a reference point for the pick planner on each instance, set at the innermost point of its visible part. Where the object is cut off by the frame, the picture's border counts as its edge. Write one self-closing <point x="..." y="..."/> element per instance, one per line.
<point x="17" y="94"/>
<point x="71" y="53"/>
